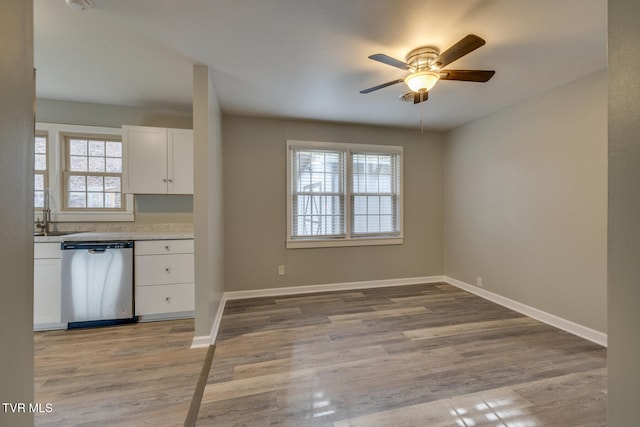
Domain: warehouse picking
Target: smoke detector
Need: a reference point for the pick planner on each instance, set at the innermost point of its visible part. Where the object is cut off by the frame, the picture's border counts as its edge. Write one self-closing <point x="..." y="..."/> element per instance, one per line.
<point x="79" y="4"/>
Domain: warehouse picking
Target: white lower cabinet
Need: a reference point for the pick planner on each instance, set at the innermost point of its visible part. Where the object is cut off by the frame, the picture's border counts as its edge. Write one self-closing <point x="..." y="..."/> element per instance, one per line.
<point x="47" y="286"/>
<point x="164" y="278"/>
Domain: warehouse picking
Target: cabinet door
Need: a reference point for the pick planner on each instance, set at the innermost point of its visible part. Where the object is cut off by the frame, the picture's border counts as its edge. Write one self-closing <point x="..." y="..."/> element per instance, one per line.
<point x="180" y="161"/>
<point x="146" y="159"/>
<point x="46" y="291"/>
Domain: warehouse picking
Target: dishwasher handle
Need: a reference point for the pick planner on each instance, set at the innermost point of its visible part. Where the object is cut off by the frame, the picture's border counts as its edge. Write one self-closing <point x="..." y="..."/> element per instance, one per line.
<point x="97" y="250"/>
<point x="97" y="246"/>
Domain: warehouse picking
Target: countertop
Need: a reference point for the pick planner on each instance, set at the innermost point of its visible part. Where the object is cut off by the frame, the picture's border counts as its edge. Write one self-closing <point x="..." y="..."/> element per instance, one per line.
<point x="103" y="236"/>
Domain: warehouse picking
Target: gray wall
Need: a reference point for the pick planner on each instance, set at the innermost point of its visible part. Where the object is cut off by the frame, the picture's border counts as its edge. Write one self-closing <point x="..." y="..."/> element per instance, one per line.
<point x="525" y="202"/>
<point x="255" y="207"/>
<point x="17" y="91"/>
<point x="624" y="213"/>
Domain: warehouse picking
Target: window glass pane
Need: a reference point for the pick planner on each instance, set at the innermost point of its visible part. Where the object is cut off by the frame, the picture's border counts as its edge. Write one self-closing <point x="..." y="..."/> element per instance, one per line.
<point x="38" y="182"/>
<point x="41" y="145"/>
<point x="96" y="164"/>
<point x="112" y="200"/>
<point x="373" y="205"/>
<point x="77" y="183"/>
<point x="78" y="147"/>
<point x="96" y="148"/>
<point x="77" y="200"/>
<point x="38" y="199"/>
<point x="40" y="162"/>
<point x="112" y="184"/>
<point x="113" y="165"/>
<point x="95" y="200"/>
<point x="78" y="164"/>
<point x="114" y="149"/>
<point x="95" y="183"/>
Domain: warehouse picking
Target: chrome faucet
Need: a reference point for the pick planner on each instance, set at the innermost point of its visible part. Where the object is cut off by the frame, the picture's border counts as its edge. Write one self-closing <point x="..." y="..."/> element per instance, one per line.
<point x="46" y="214"/>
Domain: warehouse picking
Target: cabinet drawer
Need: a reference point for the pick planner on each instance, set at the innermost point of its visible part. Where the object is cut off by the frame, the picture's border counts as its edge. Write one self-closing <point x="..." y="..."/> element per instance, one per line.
<point x="160" y="247"/>
<point x="164" y="299"/>
<point x="46" y="250"/>
<point x="163" y="269"/>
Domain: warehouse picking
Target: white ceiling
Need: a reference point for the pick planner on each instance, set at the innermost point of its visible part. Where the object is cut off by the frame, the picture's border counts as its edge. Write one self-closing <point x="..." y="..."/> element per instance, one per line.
<point x="308" y="58"/>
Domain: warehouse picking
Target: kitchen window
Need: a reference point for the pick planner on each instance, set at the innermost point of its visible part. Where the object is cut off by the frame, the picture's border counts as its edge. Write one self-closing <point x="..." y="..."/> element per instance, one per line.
<point x="343" y="194"/>
<point x="93" y="173"/>
<point x="84" y="175"/>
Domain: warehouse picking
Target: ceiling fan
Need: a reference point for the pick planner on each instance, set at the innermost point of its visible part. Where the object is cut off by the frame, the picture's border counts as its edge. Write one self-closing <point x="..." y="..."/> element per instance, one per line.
<point x="426" y="65"/>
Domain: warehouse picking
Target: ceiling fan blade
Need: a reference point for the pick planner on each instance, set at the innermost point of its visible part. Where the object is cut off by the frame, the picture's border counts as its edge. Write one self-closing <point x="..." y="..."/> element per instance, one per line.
<point x="381" y="57"/>
<point x="467" y="75"/>
<point x="421" y="96"/>
<point x="467" y="45"/>
<point x="383" y="85"/>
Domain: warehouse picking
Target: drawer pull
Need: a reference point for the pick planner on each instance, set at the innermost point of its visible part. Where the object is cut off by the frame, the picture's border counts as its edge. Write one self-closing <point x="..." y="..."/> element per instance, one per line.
<point x="167" y="248"/>
<point x="168" y="299"/>
<point x="168" y="270"/>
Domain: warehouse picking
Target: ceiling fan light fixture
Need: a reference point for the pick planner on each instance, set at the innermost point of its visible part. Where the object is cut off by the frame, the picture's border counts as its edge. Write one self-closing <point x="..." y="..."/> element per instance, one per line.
<point x="422" y="81"/>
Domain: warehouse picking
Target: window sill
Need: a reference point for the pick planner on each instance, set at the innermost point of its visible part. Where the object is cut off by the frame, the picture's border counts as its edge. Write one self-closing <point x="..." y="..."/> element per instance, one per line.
<point x="331" y="243"/>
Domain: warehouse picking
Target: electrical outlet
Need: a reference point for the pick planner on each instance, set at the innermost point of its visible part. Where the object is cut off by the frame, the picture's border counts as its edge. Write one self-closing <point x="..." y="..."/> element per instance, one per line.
<point x="479" y="281"/>
<point x="281" y="270"/>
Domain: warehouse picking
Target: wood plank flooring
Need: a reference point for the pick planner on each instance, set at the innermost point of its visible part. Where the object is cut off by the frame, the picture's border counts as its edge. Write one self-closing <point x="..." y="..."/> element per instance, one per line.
<point x="424" y="355"/>
<point x="127" y="375"/>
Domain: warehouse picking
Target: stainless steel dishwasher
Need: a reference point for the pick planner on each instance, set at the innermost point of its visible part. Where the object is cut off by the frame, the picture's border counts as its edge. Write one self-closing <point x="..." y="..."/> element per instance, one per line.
<point x="97" y="283"/>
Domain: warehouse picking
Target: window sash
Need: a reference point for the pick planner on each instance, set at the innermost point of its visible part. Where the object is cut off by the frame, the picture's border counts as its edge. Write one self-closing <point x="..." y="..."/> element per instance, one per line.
<point x="40" y="175"/>
<point x="70" y="171"/>
<point x="317" y="193"/>
<point x="375" y="194"/>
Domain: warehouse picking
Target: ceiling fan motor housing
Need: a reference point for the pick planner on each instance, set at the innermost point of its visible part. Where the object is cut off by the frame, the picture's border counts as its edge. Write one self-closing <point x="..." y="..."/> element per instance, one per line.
<point x="423" y="58"/>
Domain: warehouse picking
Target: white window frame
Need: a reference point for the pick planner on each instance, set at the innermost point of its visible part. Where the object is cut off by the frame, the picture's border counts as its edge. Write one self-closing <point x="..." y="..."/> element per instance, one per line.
<point x="55" y="171"/>
<point x="348" y="239"/>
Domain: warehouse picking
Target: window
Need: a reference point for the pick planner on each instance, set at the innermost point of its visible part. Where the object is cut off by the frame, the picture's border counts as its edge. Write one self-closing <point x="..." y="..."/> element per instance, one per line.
<point x="40" y="178"/>
<point x="343" y="194"/>
<point x="85" y="173"/>
<point x="92" y="173"/>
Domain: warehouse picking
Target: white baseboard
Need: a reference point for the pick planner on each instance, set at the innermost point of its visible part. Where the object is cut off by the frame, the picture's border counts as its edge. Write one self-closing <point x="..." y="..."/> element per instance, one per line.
<point x="207" y="340"/>
<point x="550" y="319"/>
<point x="201" y="341"/>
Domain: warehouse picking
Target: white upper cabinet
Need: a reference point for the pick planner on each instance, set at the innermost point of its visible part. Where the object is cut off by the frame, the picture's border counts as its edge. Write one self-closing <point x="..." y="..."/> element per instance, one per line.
<point x="159" y="160"/>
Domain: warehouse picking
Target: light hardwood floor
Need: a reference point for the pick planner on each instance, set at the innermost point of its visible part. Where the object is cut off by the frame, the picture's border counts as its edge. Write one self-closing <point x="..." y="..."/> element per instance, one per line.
<point x="428" y="355"/>
<point x="129" y="375"/>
